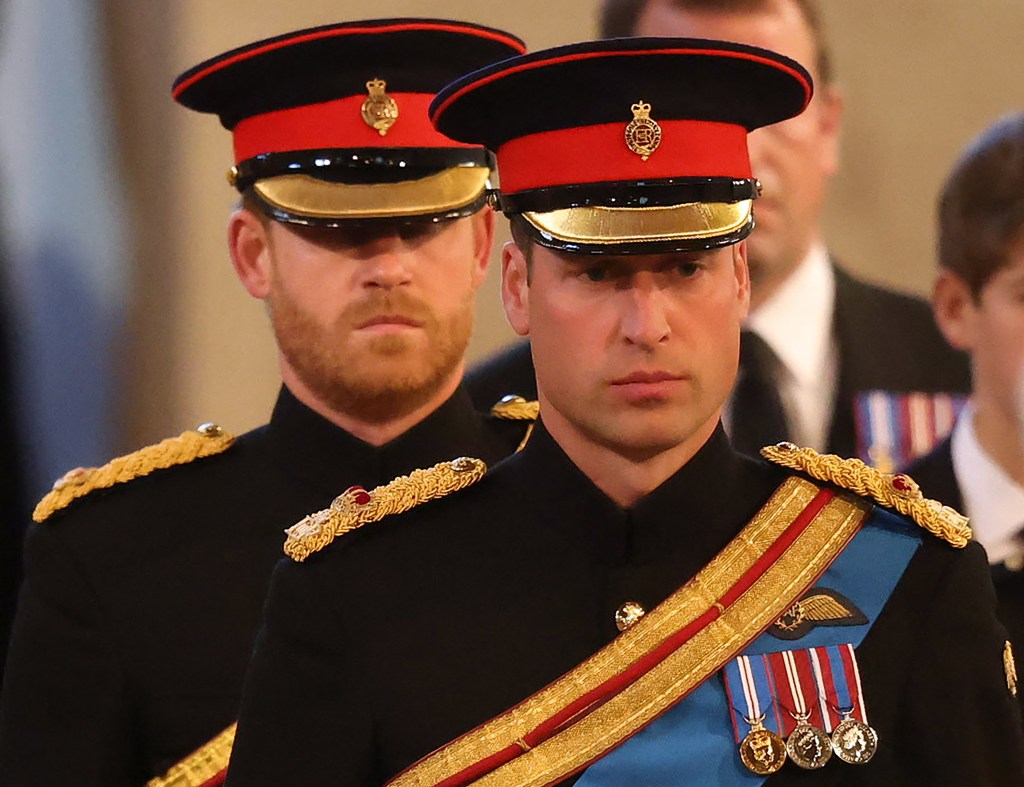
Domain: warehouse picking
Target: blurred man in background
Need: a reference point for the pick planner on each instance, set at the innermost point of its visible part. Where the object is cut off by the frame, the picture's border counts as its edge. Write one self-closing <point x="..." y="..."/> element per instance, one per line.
<point x="829" y="361"/>
<point x="979" y="305"/>
<point x="366" y="235"/>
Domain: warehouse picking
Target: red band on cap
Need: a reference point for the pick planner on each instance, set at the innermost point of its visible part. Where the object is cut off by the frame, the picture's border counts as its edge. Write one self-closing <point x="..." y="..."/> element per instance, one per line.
<point x="596" y="154"/>
<point x="339" y="124"/>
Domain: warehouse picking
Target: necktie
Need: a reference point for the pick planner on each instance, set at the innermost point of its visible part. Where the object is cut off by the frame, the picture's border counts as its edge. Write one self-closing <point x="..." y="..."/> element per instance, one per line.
<point x="758" y="418"/>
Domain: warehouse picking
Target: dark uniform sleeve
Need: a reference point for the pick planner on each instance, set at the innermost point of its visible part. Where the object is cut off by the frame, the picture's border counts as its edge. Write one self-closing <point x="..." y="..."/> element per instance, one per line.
<point x="306" y="716"/>
<point x="961" y="725"/>
<point x="64" y="715"/>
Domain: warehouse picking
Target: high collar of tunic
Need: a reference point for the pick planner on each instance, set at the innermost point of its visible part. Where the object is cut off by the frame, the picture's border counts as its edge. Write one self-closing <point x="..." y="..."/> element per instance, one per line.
<point x="695" y="512"/>
<point x="311" y="448"/>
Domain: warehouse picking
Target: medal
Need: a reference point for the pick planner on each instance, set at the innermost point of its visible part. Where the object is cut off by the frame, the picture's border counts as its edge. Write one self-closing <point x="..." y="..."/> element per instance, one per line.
<point x="748" y="685"/>
<point x="854" y="741"/>
<point x="807" y="746"/>
<point x="762" y="751"/>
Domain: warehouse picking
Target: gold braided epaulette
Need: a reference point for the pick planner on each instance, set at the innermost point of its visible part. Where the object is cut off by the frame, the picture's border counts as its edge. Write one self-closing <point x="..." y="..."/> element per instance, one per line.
<point x="892" y="490"/>
<point x="206" y="440"/>
<point x="356" y="507"/>
<point x="205" y="763"/>
<point x="515" y="408"/>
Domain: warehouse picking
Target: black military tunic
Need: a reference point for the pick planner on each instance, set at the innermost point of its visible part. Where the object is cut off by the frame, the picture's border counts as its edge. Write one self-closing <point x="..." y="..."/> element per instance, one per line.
<point x="934" y="472"/>
<point x="141" y="602"/>
<point x="407" y="633"/>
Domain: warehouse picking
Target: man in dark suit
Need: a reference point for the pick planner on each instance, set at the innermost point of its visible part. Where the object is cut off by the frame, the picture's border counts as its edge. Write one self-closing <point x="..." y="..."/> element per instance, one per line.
<point x="365" y="233"/>
<point x="604" y="606"/>
<point x="979" y="304"/>
<point x="829" y="361"/>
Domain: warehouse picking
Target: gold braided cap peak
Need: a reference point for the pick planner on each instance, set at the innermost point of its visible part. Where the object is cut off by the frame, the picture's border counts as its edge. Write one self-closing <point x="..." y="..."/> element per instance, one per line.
<point x="356" y="507"/>
<point x="206" y="440"/>
<point x="515" y="408"/>
<point x="892" y="490"/>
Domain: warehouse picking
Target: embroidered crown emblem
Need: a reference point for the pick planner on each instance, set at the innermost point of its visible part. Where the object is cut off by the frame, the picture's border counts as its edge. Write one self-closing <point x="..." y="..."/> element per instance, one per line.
<point x="643" y="135"/>
<point x="379" y="110"/>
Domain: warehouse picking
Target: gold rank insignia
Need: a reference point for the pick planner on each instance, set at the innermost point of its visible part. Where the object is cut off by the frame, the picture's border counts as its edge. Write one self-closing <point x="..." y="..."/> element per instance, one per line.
<point x="356" y="507"/>
<point x="643" y="135"/>
<point x="379" y="110"/>
<point x="818" y="607"/>
<point x="897" y="491"/>
<point x="207" y="440"/>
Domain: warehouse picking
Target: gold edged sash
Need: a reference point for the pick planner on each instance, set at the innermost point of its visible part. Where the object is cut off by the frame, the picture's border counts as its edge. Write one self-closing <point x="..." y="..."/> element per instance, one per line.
<point x="202" y="766"/>
<point x="735" y="597"/>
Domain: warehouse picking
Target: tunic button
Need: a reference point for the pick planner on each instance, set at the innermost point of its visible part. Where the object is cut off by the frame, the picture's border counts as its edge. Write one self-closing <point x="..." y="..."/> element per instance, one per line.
<point x="628" y="614"/>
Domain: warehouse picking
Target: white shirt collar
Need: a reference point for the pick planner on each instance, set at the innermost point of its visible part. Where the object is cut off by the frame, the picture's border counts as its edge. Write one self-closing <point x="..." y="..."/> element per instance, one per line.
<point x="993" y="501"/>
<point x="796" y="321"/>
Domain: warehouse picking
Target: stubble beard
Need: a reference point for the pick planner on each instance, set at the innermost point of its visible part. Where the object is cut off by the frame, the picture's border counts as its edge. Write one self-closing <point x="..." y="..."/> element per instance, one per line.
<point x="385" y="377"/>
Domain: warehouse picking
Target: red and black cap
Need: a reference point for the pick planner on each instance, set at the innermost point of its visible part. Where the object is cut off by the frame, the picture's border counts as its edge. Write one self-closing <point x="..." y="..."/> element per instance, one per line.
<point x="330" y="123"/>
<point x="633" y="145"/>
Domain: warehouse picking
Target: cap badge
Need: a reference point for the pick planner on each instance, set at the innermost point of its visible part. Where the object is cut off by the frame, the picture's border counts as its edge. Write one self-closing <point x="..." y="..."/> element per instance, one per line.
<point x="643" y="135"/>
<point x="379" y="110"/>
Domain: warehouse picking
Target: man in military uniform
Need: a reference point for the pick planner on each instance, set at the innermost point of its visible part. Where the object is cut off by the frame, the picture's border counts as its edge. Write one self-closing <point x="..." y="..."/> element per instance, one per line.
<point x="628" y="600"/>
<point x="820" y="365"/>
<point x="979" y="304"/>
<point x="365" y="233"/>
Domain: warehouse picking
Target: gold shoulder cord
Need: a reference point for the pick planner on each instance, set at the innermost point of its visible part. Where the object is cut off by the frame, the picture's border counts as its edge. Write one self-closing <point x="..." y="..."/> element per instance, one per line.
<point x="206" y="440"/>
<point x="516" y="408"/>
<point x="356" y="507"/>
<point x="892" y="490"/>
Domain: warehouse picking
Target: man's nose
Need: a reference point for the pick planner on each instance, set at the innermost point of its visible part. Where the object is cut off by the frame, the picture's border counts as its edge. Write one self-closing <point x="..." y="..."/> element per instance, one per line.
<point x="645" y="322"/>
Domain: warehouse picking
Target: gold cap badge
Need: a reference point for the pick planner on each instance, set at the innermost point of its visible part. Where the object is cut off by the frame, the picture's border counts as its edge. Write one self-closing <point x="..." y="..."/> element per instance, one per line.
<point x="379" y="110"/>
<point x="643" y="135"/>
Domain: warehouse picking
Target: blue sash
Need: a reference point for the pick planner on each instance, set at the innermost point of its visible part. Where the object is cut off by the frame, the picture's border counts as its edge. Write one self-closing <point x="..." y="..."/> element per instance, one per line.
<point x="693" y="743"/>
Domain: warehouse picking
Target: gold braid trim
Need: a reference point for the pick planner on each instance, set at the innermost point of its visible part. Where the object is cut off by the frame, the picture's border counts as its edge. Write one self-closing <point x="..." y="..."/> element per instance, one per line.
<point x="892" y="490"/>
<point x="206" y="440"/>
<point x="516" y="408"/>
<point x="356" y="507"/>
<point x="201" y="765"/>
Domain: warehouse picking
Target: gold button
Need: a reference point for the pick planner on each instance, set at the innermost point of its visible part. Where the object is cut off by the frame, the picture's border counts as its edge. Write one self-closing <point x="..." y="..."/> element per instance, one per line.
<point x="628" y="614"/>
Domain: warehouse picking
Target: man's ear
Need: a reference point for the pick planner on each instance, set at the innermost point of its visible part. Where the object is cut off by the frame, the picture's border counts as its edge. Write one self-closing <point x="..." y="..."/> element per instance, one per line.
<point x="955" y="310"/>
<point x="515" y="288"/>
<point x="249" y="247"/>
<point x="483" y="242"/>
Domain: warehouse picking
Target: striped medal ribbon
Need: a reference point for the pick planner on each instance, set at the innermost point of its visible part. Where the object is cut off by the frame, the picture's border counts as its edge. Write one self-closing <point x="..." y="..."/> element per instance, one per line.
<point x="842" y="706"/>
<point x="807" y="744"/>
<point x="748" y="686"/>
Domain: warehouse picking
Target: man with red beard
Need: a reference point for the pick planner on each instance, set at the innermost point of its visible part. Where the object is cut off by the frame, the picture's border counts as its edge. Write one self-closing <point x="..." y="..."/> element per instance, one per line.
<point x="365" y="231"/>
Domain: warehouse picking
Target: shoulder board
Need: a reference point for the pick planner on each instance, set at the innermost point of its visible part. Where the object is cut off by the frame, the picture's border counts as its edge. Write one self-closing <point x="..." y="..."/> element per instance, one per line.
<point x="206" y="440"/>
<point x="356" y="507"/>
<point x="515" y="408"/>
<point x="897" y="491"/>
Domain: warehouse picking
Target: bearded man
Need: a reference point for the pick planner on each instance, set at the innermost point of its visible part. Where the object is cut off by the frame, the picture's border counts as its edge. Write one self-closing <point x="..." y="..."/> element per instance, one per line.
<point x="366" y="234"/>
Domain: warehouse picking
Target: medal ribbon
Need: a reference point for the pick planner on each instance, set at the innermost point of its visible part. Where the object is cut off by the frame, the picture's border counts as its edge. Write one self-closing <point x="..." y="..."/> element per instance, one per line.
<point x="749" y="686"/>
<point x="793" y="676"/>
<point x="838" y="680"/>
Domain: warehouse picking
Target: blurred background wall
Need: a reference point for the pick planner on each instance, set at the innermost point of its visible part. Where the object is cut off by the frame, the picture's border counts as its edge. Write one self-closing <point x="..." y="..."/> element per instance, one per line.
<point x="920" y="77"/>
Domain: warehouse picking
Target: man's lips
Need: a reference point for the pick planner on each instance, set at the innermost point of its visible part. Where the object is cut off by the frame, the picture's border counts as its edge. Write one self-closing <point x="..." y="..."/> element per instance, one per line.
<point x="390" y="320"/>
<point x="647" y="378"/>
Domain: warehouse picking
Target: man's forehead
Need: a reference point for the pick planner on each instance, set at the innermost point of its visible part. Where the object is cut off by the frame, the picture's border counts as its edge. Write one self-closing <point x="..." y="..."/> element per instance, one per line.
<point x="778" y="25"/>
<point x="636" y="261"/>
